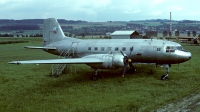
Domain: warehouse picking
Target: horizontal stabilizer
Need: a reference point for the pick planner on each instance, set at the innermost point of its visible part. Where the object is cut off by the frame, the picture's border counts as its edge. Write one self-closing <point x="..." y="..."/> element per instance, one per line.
<point x="36" y="47"/>
<point x="60" y="61"/>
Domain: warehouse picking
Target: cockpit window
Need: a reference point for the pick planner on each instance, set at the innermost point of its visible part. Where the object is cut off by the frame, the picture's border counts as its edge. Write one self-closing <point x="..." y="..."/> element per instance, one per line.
<point x="179" y="48"/>
<point x="170" y="49"/>
<point x="173" y="48"/>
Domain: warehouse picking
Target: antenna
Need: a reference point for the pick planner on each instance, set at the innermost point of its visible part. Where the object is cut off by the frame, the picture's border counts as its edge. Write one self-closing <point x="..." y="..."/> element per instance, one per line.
<point x="170" y="27"/>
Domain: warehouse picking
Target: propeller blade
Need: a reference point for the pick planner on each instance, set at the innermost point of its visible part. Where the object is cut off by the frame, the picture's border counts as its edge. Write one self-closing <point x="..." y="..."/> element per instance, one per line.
<point x="122" y="53"/>
<point x="126" y="62"/>
<point x="125" y="67"/>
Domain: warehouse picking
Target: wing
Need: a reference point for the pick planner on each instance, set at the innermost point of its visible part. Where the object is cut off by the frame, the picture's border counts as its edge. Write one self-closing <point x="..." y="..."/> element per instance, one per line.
<point x="60" y="61"/>
<point x="36" y="47"/>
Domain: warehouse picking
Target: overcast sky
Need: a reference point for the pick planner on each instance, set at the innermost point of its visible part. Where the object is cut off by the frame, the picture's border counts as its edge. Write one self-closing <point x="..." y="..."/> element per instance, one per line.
<point x="100" y="10"/>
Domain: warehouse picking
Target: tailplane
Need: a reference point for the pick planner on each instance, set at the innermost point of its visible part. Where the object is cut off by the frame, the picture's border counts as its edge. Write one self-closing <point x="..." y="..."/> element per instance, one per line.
<point x="52" y="31"/>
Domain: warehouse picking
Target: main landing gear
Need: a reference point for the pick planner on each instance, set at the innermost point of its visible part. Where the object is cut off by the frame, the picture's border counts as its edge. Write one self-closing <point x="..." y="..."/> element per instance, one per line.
<point x="163" y="77"/>
<point x="95" y="76"/>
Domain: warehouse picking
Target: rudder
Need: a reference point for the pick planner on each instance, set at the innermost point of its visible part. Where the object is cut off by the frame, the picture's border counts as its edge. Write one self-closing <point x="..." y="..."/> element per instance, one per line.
<point x="52" y="31"/>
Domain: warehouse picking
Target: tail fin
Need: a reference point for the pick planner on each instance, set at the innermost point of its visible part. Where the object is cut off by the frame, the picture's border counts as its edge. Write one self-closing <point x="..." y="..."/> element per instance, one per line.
<point x="52" y="31"/>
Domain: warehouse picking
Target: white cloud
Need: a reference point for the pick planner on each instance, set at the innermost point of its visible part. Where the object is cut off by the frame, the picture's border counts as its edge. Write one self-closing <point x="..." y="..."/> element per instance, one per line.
<point x="157" y="2"/>
<point x="132" y="11"/>
<point x="175" y="8"/>
<point x="193" y="13"/>
<point x="156" y="13"/>
<point x="3" y="2"/>
<point x="92" y="10"/>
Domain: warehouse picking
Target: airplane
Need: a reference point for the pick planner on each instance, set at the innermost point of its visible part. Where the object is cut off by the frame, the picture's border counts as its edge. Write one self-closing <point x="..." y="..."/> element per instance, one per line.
<point x="107" y="53"/>
<point x="191" y="40"/>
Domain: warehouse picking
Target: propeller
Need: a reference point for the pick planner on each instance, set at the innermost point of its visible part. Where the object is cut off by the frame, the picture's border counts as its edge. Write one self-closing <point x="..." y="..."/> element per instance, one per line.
<point x="127" y="61"/>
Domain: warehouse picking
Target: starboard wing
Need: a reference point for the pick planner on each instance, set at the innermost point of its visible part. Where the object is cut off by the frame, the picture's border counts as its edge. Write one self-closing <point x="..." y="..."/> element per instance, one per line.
<point x="60" y="61"/>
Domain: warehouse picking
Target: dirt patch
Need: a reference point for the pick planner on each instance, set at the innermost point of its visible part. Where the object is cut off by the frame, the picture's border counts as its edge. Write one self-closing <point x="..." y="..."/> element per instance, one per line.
<point x="187" y="104"/>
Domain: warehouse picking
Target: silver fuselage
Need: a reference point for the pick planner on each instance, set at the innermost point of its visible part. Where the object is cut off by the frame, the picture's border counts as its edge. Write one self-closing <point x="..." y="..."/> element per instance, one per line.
<point x="144" y="50"/>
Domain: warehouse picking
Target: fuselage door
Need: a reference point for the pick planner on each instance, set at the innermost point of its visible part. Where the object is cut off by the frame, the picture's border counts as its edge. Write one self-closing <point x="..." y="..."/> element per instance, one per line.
<point x="74" y="48"/>
<point x="154" y="53"/>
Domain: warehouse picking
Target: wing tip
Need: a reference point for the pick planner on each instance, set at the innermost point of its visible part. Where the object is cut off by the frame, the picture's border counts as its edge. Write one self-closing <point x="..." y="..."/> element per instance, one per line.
<point x="14" y="62"/>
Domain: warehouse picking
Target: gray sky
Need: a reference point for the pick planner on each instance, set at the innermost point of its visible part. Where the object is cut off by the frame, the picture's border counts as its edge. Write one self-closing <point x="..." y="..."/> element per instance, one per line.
<point x="100" y="10"/>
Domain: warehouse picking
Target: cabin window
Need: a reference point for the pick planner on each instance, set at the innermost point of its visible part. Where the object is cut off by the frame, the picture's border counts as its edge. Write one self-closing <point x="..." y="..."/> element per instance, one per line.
<point x="109" y="48"/>
<point x="102" y="48"/>
<point x="123" y="48"/>
<point x="116" y="48"/>
<point x="96" y="48"/>
<point x="131" y="48"/>
<point x="89" y="48"/>
<point x="158" y="49"/>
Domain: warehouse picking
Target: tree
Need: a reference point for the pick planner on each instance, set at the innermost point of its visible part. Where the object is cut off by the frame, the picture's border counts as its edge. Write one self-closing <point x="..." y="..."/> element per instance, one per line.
<point x="194" y="33"/>
<point x="66" y="34"/>
<point x="177" y="33"/>
<point x="83" y="35"/>
<point x="188" y="33"/>
<point x="151" y="33"/>
<point x="170" y="33"/>
<point x="165" y="33"/>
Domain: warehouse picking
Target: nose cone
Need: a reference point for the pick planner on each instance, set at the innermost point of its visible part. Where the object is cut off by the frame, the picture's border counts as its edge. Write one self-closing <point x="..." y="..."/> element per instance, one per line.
<point x="183" y="56"/>
<point x="189" y="56"/>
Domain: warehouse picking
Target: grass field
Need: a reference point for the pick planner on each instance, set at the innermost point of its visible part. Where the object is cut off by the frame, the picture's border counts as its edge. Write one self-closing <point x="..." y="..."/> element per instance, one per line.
<point x="30" y="88"/>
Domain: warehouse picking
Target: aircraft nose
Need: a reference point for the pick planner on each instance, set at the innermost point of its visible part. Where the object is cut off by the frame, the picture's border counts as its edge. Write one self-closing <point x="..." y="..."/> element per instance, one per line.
<point x="188" y="56"/>
<point x="184" y="55"/>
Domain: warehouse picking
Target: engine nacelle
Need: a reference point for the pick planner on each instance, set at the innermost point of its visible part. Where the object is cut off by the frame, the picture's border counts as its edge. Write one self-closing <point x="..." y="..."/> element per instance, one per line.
<point x="109" y="61"/>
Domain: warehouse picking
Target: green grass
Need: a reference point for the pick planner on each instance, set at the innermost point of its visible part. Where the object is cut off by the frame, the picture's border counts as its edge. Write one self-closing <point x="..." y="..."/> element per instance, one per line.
<point x="30" y="88"/>
<point x="12" y="40"/>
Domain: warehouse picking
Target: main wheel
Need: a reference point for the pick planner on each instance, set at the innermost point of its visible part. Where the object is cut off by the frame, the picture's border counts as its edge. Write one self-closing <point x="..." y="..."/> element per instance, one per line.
<point x="163" y="77"/>
<point x="94" y="78"/>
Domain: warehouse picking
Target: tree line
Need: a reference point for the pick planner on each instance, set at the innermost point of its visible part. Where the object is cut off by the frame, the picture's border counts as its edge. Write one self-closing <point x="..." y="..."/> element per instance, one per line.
<point x="21" y="35"/>
<point x="177" y="33"/>
<point x="20" y="27"/>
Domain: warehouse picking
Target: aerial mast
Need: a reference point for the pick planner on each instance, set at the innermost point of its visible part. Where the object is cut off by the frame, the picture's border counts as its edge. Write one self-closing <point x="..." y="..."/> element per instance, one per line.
<point x="170" y="27"/>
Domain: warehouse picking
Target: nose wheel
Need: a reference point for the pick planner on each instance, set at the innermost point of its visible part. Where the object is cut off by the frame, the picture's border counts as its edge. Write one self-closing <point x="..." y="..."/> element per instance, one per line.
<point x="164" y="77"/>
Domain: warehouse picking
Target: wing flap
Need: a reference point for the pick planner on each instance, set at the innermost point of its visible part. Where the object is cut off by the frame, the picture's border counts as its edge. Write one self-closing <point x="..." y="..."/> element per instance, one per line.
<point x="60" y="61"/>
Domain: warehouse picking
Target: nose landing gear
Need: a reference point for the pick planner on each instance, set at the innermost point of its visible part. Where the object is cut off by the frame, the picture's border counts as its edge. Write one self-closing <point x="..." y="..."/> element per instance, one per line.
<point x="164" y="77"/>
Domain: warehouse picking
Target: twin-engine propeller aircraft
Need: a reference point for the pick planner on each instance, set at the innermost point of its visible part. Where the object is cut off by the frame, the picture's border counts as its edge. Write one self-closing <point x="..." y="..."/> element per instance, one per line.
<point x="107" y="53"/>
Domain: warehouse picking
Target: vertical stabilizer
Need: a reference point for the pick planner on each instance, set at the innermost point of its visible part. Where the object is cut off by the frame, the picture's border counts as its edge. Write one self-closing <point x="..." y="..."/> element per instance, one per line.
<point x="52" y="31"/>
